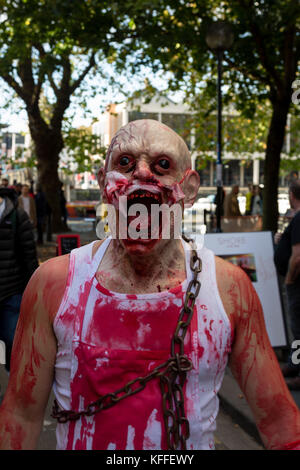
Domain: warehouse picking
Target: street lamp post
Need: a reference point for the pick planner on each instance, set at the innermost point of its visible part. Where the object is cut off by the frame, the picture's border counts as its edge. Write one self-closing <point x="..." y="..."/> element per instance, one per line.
<point x="219" y="38"/>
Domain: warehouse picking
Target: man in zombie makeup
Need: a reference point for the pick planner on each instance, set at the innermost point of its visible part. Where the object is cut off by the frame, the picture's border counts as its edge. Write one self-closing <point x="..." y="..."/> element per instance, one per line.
<point x="136" y="333"/>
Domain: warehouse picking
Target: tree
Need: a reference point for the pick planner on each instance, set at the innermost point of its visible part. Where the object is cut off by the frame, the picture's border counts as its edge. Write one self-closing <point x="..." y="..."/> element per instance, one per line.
<point x="48" y="48"/>
<point x="81" y="144"/>
<point x="260" y="67"/>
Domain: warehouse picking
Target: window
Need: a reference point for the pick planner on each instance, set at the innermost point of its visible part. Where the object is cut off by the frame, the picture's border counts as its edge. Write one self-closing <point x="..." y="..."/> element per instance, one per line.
<point x="20" y="139"/>
<point x="261" y="171"/>
<point x="248" y="172"/>
<point x="134" y="115"/>
<point x="231" y="172"/>
<point x="179" y="124"/>
<point x="204" y="172"/>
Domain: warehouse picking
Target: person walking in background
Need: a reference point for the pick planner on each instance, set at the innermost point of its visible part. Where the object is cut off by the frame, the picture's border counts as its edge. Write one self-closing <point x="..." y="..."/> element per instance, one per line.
<point x="18" y="261"/>
<point x="63" y="202"/>
<point x="287" y="261"/>
<point x="249" y="196"/>
<point x="4" y="183"/>
<point x="231" y="203"/>
<point x="31" y="190"/>
<point x="18" y="189"/>
<point x="27" y="203"/>
<point x="41" y="213"/>
<point x="256" y="204"/>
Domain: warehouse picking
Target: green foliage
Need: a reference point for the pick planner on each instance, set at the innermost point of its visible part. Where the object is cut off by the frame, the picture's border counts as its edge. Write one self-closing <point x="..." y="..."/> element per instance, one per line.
<point x="240" y="133"/>
<point x="254" y="65"/>
<point x="49" y="47"/>
<point x="288" y="164"/>
<point x="259" y="68"/>
<point x="84" y="150"/>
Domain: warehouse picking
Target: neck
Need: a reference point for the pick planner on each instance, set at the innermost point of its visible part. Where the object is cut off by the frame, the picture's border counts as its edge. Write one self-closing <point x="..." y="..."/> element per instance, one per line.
<point x="168" y="256"/>
<point x="297" y="206"/>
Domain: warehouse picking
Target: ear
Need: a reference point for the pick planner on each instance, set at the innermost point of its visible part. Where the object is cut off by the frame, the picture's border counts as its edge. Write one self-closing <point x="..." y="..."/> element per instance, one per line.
<point x="101" y="181"/>
<point x="191" y="187"/>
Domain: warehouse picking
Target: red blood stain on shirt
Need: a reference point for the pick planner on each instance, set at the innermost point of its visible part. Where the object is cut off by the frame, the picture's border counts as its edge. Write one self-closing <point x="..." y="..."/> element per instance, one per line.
<point x="208" y="335"/>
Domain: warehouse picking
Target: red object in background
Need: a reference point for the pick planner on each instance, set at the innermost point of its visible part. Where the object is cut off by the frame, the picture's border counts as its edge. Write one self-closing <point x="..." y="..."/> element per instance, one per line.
<point x="86" y="209"/>
<point x="66" y="243"/>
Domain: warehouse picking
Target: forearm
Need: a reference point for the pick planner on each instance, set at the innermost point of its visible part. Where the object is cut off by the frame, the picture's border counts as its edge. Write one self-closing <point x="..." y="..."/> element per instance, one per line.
<point x="292" y="446"/>
<point x="277" y="417"/>
<point x="276" y="414"/>
<point x="293" y="270"/>
<point x="283" y="442"/>
<point x="17" y="432"/>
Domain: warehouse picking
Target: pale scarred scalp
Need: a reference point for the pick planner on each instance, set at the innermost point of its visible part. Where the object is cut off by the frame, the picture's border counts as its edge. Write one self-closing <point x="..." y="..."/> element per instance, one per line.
<point x="151" y="137"/>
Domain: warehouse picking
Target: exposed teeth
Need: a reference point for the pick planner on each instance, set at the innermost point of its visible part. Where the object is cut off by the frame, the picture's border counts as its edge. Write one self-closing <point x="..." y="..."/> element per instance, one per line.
<point x="147" y="194"/>
<point x="144" y="187"/>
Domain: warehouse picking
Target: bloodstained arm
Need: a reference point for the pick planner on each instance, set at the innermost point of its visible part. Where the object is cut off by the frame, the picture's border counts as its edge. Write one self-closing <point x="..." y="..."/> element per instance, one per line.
<point x="254" y="364"/>
<point x="33" y="358"/>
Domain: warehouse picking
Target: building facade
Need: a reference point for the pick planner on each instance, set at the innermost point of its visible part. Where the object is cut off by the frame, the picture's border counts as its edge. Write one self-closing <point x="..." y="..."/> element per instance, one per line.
<point x="13" y="148"/>
<point x="238" y="168"/>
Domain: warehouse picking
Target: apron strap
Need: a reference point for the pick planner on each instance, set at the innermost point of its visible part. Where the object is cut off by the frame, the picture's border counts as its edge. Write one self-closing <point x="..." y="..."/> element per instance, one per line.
<point x="85" y="268"/>
<point x="96" y="260"/>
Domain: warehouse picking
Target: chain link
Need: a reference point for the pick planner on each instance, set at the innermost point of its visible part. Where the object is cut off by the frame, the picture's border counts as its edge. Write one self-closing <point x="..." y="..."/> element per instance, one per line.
<point x="171" y="374"/>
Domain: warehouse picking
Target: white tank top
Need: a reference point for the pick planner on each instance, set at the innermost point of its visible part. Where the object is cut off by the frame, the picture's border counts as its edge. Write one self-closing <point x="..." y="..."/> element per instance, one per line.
<point x="211" y="338"/>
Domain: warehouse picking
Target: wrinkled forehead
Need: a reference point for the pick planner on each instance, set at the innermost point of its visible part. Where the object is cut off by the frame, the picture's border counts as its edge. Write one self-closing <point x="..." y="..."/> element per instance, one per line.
<point x="149" y="137"/>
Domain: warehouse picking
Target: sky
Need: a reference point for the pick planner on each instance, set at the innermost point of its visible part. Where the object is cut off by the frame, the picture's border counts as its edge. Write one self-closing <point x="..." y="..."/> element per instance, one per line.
<point x="16" y="118"/>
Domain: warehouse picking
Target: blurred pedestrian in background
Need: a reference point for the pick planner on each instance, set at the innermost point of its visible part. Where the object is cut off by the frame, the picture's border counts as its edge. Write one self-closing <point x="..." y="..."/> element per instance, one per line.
<point x="4" y="183"/>
<point x="287" y="261"/>
<point x="18" y="189"/>
<point x="231" y="203"/>
<point x="249" y="196"/>
<point x="256" y="203"/>
<point x="18" y="261"/>
<point x="31" y="189"/>
<point x="27" y="203"/>
<point x="63" y="203"/>
<point x="41" y="213"/>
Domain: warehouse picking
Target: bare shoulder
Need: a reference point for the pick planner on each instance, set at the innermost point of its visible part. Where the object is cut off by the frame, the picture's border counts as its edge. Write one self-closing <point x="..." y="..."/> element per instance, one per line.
<point x="236" y="290"/>
<point x="53" y="267"/>
<point x="46" y="287"/>
<point x="226" y="272"/>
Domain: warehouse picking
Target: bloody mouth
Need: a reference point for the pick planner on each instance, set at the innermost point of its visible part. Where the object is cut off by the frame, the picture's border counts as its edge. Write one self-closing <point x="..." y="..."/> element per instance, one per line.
<point x="147" y="199"/>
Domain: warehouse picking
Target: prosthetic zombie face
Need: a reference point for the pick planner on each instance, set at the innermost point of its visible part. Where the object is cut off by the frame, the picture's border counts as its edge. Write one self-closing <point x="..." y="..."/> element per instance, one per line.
<point x="149" y="164"/>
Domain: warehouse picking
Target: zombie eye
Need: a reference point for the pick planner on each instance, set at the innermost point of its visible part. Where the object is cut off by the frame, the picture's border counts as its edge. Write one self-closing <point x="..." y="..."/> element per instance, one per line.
<point x="124" y="161"/>
<point x="164" y="163"/>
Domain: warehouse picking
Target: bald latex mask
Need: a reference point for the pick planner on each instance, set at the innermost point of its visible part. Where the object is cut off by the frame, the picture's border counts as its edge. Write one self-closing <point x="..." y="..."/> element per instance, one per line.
<point x="148" y="163"/>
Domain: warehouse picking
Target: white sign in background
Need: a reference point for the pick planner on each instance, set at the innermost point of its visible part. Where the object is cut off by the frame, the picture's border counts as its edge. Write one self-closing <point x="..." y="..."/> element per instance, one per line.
<point x="260" y="245"/>
<point x="2" y="352"/>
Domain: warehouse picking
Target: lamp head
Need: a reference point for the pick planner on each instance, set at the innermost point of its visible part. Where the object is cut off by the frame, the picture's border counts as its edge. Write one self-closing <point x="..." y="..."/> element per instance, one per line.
<point x="219" y="36"/>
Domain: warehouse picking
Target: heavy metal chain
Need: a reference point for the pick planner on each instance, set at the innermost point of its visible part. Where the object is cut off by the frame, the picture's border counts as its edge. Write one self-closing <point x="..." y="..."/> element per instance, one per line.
<point x="171" y="374"/>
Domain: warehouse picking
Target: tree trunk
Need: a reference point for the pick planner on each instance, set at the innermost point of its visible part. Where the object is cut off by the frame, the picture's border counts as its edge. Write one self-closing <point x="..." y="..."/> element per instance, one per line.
<point x="51" y="185"/>
<point x="272" y="162"/>
<point x="48" y="145"/>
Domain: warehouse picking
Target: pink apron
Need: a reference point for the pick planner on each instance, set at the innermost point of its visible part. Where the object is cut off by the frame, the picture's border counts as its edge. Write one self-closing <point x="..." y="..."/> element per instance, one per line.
<point x="126" y="336"/>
